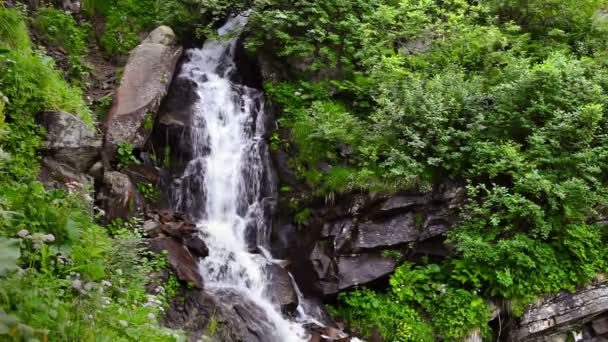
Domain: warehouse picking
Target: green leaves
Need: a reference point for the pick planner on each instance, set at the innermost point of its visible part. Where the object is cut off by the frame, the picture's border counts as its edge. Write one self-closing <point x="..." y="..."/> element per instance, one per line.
<point x="9" y="254"/>
<point x="125" y="156"/>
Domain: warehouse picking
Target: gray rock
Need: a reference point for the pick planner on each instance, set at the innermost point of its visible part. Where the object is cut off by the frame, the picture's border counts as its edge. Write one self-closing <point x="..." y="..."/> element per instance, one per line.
<point x="398" y="230"/>
<point x="401" y="203"/>
<point x="281" y="288"/>
<point x="324" y="268"/>
<point x="119" y="196"/>
<point x="72" y="6"/>
<point x="68" y="140"/>
<point x="363" y="268"/>
<point x="55" y="175"/>
<point x="145" y="82"/>
<point x="600" y="326"/>
<point x="561" y="312"/>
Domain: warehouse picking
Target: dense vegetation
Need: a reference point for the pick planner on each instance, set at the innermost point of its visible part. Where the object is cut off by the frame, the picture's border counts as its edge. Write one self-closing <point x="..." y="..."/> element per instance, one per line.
<point x="507" y="96"/>
<point x="62" y="276"/>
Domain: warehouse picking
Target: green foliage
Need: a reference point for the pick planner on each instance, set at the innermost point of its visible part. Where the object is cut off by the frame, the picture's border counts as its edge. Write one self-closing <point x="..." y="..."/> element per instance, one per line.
<point x="419" y="292"/>
<point x="509" y="96"/>
<point x="148" y="190"/>
<point x="62" y="277"/>
<point x="125" y="156"/>
<point x="60" y="29"/>
<point x="148" y="121"/>
<point x="127" y="19"/>
<point x="102" y="106"/>
<point x="29" y="84"/>
<point x="13" y="30"/>
<point x="76" y="285"/>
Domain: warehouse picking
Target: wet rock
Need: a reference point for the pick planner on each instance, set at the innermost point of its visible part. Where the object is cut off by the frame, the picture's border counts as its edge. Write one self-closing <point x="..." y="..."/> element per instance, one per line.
<point x="118" y="196"/>
<point x="145" y="81"/>
<point x="361" y="269"/>
<point x="398" y="230"/>
<point x="281" y="288"/>
<point x="179" y="230"/>
<point x="177" y="227"/>
<point x="68" y="140"/>
<point x="196" y="246"/>
<point x="325" y="268"/>
<point x="181" y="260"/>
<point x="401" y="203"/>
<point x="561" y="313"/>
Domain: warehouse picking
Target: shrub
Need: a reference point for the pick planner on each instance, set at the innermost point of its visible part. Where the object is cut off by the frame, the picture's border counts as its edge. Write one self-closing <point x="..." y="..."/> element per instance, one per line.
<point x="60" y="29"/>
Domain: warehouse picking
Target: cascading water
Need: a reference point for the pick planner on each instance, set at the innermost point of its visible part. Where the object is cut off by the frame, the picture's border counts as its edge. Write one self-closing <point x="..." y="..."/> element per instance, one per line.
<point x="226" y="185"/>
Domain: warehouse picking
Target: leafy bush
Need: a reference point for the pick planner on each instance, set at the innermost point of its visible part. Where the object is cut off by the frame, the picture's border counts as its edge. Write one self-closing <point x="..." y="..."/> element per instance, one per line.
<point x="506" y="96"/>
<point x="62" y="277"/>
<point x="60" y="29"/>
<point x="125" y="156"/>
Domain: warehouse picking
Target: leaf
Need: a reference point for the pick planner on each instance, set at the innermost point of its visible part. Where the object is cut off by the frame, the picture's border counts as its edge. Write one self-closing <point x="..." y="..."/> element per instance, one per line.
<point x="9" y="254"/>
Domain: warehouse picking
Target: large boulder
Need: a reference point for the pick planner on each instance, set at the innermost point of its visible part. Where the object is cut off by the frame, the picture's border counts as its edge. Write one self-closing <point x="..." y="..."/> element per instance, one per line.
<point x="359" y="269"/>
<point x="119" y="196"/>
<point x="564" y="314"/>
<point x="334" y="274"/>
<point x="144" y="84"/>
<point x="181" y="260"/>
<point x="281" y="288"/>
<point x="68" y="140"/>
<point x="347" y="242"/>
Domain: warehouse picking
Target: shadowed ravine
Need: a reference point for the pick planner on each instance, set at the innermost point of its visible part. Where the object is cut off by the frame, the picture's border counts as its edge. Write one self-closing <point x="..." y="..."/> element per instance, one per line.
<point x="228" y="186"/>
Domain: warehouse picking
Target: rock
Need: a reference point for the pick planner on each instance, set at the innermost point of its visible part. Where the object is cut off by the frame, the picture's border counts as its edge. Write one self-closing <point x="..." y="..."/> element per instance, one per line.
<point x="325" y="268"/>
<point x="193" y="310"/>
<point x="196" y="246"/>
<point x="361" y="269"/>
<point x="72" y="6"/>
<point x="96" y="171"/>
<point x="180" y="259"/>
<point x="119" y="196"/>
<point x="281" y="288"/>
<point x="55" y="175"/>
<point x="398" y="230"/>
<point x="401" y="203"/>
<point x="600" y="326"/>
<point x="561" y="312"/>
<point x="179" y="230"/>
<point x="145" y="82"/>
<point x="68" y="140"/>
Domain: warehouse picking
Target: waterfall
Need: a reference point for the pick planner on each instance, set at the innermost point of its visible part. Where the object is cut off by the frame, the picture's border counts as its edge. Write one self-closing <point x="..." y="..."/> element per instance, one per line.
<point x="227" y="186"/>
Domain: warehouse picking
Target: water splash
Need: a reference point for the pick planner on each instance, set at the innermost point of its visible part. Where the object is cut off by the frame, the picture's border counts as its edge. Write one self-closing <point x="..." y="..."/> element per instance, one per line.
<point x="226" y="185"/>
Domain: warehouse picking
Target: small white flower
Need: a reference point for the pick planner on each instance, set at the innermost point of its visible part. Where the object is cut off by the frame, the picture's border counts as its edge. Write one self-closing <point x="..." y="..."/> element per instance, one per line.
<point x="88" y="286"/>
<point x="119" y="271"/>
<point x="48" y="238"/>
<point x="89" y="316"/>
<point x="77" y="284"/>
<point x="123" y="323"/>
<point x="151" y="316"/>
<point x="106" y="283"/>
<point x="37" y="246"/>
<point x="23" y="233"/>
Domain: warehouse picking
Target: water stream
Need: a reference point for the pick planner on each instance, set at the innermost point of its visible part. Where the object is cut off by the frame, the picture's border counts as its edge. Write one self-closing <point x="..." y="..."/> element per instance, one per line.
<point x="227" y="185"/>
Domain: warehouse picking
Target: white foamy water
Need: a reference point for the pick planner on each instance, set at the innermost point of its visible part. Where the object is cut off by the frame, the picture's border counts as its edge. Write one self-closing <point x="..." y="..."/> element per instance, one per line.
<point x="230" y="171"/>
